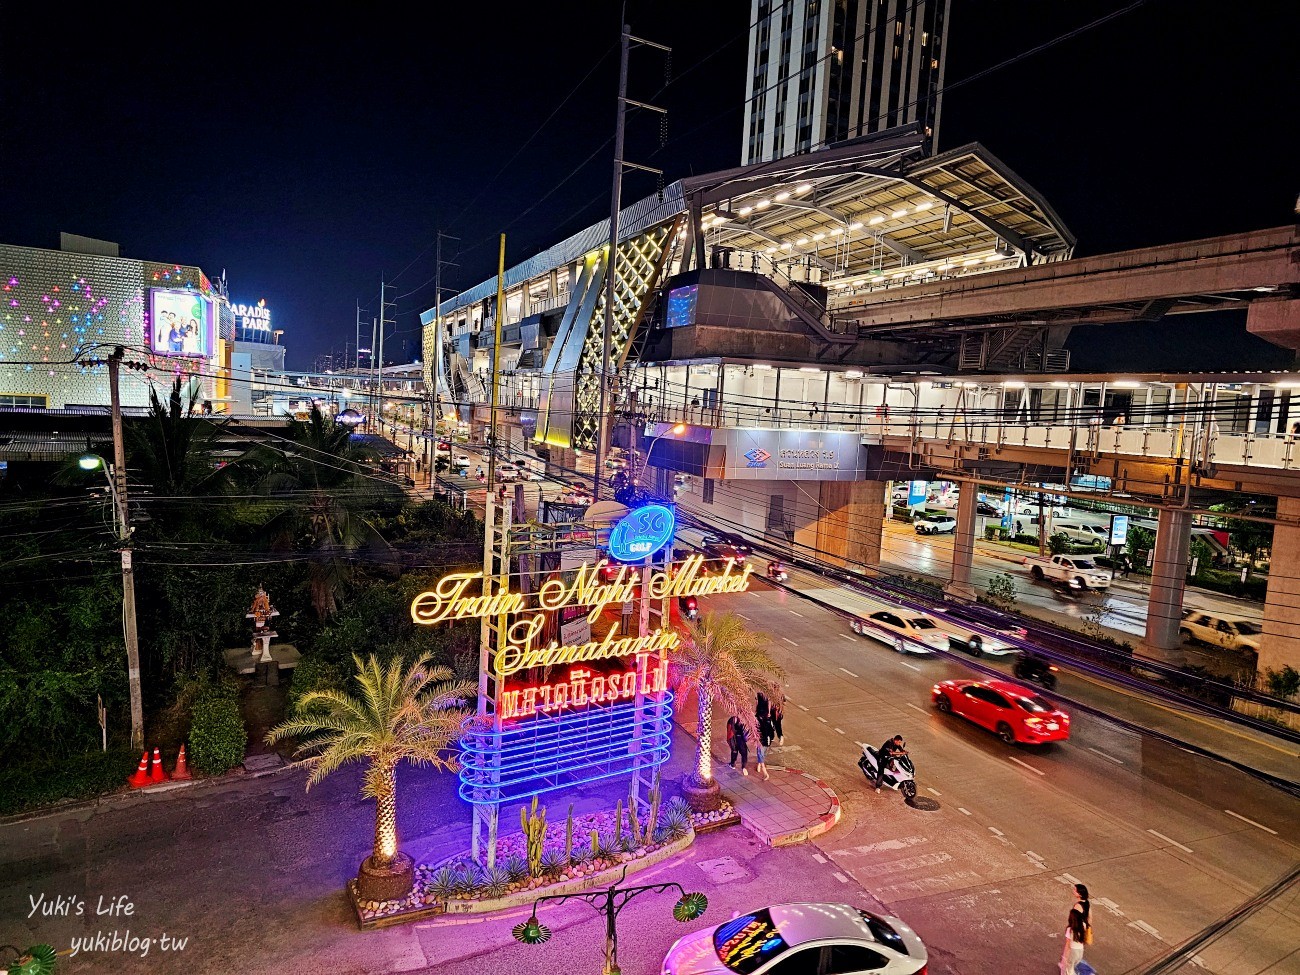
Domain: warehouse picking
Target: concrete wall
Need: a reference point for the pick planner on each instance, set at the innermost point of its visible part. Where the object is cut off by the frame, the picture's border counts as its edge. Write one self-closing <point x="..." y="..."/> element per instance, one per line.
<point x="1280" y="645"/>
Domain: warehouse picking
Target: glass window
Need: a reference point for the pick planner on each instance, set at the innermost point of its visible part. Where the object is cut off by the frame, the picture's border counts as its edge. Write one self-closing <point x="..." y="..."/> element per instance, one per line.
<point x="996" y="699"/>
<point x="747" y="943"/>
<point x="1035" y="704"/>
<point x="846" y="959"/>
<point x="805" y="962"/>
<point x="921" y="623"/>
<point x="1247" y="628"/>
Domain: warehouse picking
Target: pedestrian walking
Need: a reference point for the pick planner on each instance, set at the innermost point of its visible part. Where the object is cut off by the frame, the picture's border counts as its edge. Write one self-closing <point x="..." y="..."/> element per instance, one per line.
<point x="763" y="712"/>
<point x="760" y="760"/>
<point x="1078" y="931"/>
<point x="738" y="739"/>
<point x="776" y="712"/>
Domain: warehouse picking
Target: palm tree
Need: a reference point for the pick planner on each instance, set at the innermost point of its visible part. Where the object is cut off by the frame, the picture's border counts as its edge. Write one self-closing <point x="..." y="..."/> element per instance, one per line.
<point x="412" y="714"/>
<point x="324" y="463"/>
<point x="722" y="661"/>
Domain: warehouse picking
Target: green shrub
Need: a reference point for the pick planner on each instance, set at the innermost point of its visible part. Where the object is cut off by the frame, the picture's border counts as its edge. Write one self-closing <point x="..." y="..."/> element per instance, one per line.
<point x="1024" y="538"/>
<point x="30" y="785"/>
<point x="1283" y="683"/>
<point x="217" y="735"/>
<point x="314" y="673"/>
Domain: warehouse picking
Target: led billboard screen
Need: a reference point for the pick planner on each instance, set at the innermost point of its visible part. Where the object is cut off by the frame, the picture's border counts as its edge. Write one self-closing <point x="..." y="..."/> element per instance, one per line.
<point x="181" y="323"/>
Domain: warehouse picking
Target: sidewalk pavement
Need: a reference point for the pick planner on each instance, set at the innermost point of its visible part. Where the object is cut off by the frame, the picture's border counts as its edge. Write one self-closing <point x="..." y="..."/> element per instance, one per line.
<point x="790" y="806"/>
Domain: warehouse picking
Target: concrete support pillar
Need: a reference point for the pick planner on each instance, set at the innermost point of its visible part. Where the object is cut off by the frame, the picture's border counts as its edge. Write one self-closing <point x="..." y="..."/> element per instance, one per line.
<point x="963" y="543"/>
<point x="1280" y="645"/>
<point x="1168" y="578"/>
<point x="850" y="523"/>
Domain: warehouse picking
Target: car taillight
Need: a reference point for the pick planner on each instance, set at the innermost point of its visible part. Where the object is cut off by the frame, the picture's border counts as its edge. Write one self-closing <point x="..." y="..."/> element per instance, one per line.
<point x="690" y="602"/>
<point x="1033" y="721"/>
<point x="1053" y="667"/>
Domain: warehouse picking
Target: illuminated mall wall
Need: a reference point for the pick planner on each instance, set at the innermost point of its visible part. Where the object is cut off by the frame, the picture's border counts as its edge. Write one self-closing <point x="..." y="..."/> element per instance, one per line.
<point x="54" y="302"/>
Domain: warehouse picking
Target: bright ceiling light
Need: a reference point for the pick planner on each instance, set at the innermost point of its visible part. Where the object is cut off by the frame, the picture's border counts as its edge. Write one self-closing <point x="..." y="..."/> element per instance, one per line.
<point x="853" y="374"/>
<point x="1060" y="385"/>
<point x="858" y="283"/>
<point x="836" y="231"/>
<point x="803" y="187"/>
<point x="783" y="196"/>
<point x="786" y="246"/>
<point x="809" y="369"/>
<point x="899" y="213"/>
<point x="762" y="204"/>
<point x="819" y="236"/>
<point x="876" y="220"/>
<point x="746" y="211"/>
<point x="801" y="241"/>
<point x="856" y="225"/>
<point x="972" y="260"/>
<point x="1014" y="384"/>
<point x="1126" y="384"/>
<point x="761" y="365"/>
<point x="924" y="205"/>
<point x="770" y="250"/>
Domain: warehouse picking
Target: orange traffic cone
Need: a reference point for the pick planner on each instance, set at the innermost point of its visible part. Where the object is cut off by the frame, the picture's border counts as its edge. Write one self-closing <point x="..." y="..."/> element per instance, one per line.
<point x="181" y="771"/>
<point x="140" y="776"/>
<point x="156" y="773"/>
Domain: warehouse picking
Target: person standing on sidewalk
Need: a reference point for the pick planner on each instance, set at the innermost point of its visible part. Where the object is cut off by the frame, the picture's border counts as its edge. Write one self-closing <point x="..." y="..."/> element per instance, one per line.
<point x="775" y="714"/>
<point x="1078" y="931"/>
<point x="739" y="738"/>
<point x="763" y="712"/>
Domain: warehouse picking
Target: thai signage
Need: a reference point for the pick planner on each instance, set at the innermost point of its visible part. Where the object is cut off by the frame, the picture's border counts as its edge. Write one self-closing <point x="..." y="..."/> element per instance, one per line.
<point x="798" y="455"/>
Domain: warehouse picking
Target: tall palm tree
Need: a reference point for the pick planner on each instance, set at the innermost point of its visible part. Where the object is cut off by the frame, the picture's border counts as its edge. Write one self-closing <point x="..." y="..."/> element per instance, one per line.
<point x="404" y="713"/>
<point x="723" y="662"/>
<point x="322" y="462"/>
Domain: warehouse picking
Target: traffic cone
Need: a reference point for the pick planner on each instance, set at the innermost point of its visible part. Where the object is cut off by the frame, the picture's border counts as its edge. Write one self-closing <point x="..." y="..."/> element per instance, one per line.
<point x="140" y="777"/>
<point x="156" y="773"/>
<point x="181" y="771"/>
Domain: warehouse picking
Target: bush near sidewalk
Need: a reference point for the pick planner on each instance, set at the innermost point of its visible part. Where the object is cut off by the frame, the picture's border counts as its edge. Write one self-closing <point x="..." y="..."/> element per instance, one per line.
<point x="217" y="735"/>
<point x="40" y="782"/>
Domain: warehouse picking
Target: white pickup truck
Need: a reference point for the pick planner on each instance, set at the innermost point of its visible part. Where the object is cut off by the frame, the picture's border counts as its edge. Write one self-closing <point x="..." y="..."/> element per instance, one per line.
<point x="1078" y="571"/>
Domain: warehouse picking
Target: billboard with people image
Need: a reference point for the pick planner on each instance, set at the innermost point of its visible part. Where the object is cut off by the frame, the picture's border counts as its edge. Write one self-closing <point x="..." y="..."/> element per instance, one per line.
<point x="181" y="323"/>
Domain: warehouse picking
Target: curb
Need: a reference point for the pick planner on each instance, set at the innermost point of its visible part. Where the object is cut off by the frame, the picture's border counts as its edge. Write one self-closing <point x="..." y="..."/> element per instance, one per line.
<point x="825" y="822"/>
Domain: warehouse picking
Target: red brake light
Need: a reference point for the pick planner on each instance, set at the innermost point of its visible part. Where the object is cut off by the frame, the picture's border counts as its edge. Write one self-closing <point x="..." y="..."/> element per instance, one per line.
<point x="690" y="602"/>
<point x="1053" y="667"/>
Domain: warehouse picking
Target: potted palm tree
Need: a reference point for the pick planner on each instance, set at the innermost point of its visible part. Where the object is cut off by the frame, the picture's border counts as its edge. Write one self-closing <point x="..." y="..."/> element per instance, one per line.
<point x="404" y="713"/>
<point x="723" y="662"/>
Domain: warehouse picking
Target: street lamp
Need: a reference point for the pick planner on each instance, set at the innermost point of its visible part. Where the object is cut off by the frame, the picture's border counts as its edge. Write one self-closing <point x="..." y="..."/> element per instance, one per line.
<point x="676" y="430"/>
<point x="610" y="902"/>
<point x="122" y="526"/>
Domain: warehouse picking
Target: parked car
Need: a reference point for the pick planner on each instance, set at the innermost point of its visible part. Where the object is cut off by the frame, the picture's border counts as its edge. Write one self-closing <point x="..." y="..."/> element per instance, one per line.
<point x="904" y="630"/>
<point x="1015" y="713"/>
<point x="988" y="509"/>
<point x="1232" y="632"/>
<point x="507" y="472"/>
<point x="1098" y="536"/>
<point x="930" y="523"/>
<point x="725" y="545"/>
<point x="801" y="939"/>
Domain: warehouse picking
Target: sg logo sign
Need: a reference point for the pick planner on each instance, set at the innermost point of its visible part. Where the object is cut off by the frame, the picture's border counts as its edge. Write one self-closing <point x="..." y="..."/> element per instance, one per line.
<point x="642" y="533"/>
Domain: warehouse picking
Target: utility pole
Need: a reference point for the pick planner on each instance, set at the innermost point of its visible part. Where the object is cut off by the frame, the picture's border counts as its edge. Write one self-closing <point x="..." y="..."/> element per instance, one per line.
<point x="611" y="265"/>
<point x="117" y="479"/>
<point x="496" y="366"/>
<point x="380" y="410"/>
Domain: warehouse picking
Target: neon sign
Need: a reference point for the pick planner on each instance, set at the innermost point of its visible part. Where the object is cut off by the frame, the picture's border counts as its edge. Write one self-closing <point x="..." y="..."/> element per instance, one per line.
<point x="582" y="687"/>
<point x="642" y="533"/>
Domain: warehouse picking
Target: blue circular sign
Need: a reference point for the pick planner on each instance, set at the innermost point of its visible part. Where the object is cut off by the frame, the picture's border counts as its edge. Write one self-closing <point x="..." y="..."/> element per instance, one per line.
<point x="641" y="533"/>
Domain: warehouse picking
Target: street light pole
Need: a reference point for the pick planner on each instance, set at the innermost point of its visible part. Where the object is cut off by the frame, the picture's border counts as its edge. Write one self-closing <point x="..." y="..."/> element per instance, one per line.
<point x="117" y="486"/>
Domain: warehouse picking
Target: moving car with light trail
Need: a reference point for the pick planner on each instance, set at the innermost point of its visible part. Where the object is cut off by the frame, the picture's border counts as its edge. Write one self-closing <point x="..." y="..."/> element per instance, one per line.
<point x="903" y="629"/>
<point x="1015" y="713"/>
<point x="1076" y="571"/>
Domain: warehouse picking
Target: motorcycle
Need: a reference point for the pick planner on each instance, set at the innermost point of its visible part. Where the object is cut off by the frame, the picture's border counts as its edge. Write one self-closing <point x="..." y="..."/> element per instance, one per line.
<point x="901" y="775"/>
<point x="1032" y="667"/>
<point x="689" y="606"/>
<point x="776" y="572"/>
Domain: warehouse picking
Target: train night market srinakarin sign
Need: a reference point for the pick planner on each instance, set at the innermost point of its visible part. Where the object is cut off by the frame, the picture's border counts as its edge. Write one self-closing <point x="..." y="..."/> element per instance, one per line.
<point x="459" y="596"/>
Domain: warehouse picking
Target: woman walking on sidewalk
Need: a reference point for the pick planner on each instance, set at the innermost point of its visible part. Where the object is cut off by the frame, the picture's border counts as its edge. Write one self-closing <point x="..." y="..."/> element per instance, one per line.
<point x="738" y="738"/>
<point x="760" y="760"/>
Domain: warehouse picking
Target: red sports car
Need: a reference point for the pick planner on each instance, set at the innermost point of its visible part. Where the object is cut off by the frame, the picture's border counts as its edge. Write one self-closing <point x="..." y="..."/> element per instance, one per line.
<point x="1014" y="712"/>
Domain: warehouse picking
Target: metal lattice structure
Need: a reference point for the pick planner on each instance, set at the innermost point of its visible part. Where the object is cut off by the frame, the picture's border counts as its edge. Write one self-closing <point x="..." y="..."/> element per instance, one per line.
<point x="640" y="262"/>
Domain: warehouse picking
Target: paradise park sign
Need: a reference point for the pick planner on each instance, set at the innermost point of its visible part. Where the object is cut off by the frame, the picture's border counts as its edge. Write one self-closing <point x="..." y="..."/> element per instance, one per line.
<point x="450" y="599"/>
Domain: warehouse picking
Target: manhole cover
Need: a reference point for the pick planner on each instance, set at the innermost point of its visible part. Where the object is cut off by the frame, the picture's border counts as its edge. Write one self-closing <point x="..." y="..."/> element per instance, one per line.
<point x="723" y="870"/>
<point x="924" y="802"/>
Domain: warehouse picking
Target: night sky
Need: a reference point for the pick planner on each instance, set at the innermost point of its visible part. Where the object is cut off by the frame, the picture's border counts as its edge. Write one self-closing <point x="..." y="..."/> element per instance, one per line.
<point x="310" y="158"/>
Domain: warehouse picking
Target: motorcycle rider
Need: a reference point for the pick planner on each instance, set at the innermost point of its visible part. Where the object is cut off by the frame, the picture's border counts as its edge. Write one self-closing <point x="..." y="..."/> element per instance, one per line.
<point x="775" y="570"/>
<point x="893" y="748"/>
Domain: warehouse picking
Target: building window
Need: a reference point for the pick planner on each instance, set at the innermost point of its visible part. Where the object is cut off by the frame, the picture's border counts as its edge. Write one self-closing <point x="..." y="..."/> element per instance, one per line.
<point x="10" y="401"/>
<point x="708" y="490"/>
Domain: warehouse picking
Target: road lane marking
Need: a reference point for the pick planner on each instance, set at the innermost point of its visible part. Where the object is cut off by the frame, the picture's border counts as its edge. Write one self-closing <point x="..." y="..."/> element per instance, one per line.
<point x="1067" y="879"/>
<point x="840" y="877"/>
<point x="803" y="707"/>
<point x="1033" y="856"/>
<point x="996" y="832"/>
<point x="743" y="617"/>
<point x="1185" y="849"/>
<point x="1117" y="761"/>
<point x="913" y="666"/>
<point x="915" y="708"/>
<point x="849" y="672"/>
<point x="1026" y="765"/>
<point x="1143" y="926"/>
<point x="819" y="858"/>
<point x="935" y="791"/>
<point x="839" y="731"/>
<point x="821" y="719"/>
<point x="849" y="638"/>
<point x="800" y="615"/>
<point x="1251" y="821"/>
<point x="789" y="641"/>
<point x="964" y="812"/>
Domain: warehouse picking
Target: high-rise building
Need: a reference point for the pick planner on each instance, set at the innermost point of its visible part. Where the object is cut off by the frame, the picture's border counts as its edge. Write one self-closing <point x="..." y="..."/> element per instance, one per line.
<point x="823" y="71"/>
